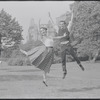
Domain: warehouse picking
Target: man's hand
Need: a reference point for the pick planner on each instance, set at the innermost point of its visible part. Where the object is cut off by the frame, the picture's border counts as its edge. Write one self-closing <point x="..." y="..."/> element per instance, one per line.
<point x="58" y="37"/>
<point x="24" y="52"/>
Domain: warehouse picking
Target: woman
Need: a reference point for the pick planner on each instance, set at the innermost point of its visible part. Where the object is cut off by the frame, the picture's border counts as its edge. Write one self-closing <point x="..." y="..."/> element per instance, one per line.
<point x="42" y="56"/>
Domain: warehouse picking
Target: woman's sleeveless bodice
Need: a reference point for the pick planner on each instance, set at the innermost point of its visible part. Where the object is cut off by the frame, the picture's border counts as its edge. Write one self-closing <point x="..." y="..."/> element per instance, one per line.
<point x="48" y="42"/>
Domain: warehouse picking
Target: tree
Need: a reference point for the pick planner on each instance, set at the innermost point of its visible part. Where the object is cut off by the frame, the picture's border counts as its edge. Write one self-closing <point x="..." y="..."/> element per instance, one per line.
<point x="10" y="29"/>
<point x="0" y="45"/>
<point x="86" y="26"/>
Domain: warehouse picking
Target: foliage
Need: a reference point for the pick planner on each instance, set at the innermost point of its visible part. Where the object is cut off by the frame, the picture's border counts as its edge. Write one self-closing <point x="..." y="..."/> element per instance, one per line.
<point x="86" y="26"/>
<point x="18" y="59"/>
<point x="10" y="28"/>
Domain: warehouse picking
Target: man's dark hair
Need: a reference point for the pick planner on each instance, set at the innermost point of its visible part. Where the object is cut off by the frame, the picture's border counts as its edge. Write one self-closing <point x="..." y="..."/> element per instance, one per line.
<point x="63" y="21"/>
<point x="43" y="28"/>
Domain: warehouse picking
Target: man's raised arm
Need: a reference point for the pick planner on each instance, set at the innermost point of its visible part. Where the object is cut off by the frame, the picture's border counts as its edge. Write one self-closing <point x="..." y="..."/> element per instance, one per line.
<point x="54" y="25"/>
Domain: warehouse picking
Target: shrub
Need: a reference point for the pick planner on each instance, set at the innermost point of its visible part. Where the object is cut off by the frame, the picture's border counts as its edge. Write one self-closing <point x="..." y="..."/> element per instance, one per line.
<point x="18" y="59"/>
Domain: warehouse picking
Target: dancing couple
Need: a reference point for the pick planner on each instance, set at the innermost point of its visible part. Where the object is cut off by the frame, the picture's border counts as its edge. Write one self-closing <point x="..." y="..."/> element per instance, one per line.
<point x="42" y="56"/>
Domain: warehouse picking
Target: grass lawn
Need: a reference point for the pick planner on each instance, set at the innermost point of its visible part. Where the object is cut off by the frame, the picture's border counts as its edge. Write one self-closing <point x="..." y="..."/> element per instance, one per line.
<point x="26" y="81"/>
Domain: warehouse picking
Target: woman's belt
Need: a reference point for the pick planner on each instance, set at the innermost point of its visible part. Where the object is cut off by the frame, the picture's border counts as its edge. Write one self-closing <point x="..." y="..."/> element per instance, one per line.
<point x="49" y="46"/>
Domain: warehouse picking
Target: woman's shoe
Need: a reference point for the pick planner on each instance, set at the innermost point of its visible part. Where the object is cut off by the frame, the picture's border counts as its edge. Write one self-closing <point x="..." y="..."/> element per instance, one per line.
<point x="45" y="83"/>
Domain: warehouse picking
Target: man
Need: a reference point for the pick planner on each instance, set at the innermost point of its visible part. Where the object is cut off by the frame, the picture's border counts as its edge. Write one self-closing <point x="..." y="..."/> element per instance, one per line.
<point x="63" y="32"/>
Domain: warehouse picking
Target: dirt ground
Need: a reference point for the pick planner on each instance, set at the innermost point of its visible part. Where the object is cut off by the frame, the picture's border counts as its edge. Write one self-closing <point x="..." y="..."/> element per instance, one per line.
<point x="26" y="82"/>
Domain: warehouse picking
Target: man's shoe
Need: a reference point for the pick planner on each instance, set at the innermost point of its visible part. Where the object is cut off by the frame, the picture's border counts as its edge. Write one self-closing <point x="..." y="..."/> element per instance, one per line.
<point x="45" y="83"/>
<point x="82" y="67"/>
<point x="64" y="74"/>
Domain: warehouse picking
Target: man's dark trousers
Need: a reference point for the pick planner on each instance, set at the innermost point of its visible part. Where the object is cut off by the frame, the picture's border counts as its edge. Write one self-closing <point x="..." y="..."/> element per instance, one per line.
<point x="70" y="50"/>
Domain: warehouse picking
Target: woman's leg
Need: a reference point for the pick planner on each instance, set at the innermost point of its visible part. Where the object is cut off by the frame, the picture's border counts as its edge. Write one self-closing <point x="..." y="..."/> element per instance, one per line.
<point x="44" y="78"/>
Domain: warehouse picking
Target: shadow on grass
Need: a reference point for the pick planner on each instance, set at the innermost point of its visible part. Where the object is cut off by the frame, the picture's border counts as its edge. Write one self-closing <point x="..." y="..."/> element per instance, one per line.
<point x="27" y="70"/>
<point x="79" y="90"/>
<point x="3" y="89"/>
<point x="5" y="69"/>
<point x="21" y="77"/>
<point x="30" y="70"/>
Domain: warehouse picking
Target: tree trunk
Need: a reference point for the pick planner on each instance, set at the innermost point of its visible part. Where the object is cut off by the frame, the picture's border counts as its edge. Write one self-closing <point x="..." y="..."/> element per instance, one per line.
<point x="90" y="56"/>
<point x="96" y="55"/>
<point x="0" y="45"/>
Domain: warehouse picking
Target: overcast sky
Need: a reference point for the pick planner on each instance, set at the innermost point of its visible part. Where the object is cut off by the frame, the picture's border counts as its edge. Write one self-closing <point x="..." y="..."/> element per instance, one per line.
<point x="24" y="11"/>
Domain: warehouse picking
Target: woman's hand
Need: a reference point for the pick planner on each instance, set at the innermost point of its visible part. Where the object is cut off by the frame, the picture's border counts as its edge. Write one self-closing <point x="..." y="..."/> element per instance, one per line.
<point x="65" y="42"/>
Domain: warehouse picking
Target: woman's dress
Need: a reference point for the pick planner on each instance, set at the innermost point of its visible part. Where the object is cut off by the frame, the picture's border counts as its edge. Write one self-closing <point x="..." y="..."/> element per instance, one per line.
<point x="42" y="56"/>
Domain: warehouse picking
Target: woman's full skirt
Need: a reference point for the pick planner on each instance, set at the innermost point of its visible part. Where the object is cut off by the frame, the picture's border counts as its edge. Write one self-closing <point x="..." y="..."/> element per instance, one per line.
<point x="42" y="57"/>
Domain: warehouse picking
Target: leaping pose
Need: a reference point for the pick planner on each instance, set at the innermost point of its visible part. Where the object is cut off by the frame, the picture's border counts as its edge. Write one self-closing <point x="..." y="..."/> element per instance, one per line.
<point x="64" y="36"/>
<point x="42" y="56"/>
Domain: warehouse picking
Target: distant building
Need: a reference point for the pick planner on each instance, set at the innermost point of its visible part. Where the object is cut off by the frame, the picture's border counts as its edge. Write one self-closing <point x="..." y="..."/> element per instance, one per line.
<point x="51" y="30"/>
<point x="32" y="31"/>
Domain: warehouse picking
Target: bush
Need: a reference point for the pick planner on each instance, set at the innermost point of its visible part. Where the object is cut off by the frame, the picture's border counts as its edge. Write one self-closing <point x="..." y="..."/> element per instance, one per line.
<point x="18" y="59"/>
<point x="83" y="57"/>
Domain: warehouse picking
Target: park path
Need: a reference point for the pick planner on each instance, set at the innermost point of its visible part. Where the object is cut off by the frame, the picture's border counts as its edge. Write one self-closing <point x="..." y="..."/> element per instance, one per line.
<point x="26" y="82"/>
